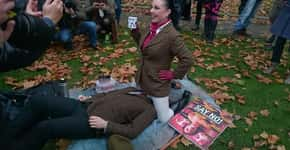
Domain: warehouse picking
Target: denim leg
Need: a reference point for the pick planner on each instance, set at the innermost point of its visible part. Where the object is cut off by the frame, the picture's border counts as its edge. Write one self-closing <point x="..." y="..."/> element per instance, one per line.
<point x="90" y="28"/>
<point x="118" y="10"/>
<point x="64" y="35"/>
<point x="242" y="5"/>
<point x="246" y="15"/>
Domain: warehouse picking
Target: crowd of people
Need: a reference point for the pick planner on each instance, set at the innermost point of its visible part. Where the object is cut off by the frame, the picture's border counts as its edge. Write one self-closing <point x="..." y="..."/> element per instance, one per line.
<point x="278" y="17"/>
<point x="29" y="26"/>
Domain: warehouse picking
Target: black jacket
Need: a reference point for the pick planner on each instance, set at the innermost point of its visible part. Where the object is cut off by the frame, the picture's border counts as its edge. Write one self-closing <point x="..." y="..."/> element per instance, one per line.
<point x="30" y="38"/>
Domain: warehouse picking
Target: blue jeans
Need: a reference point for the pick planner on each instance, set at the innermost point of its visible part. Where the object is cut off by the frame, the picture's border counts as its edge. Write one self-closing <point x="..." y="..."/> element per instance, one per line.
<point x="118" y="9"/>
<point x="248" y="12"/>
<point x="89" y="28"/>
<point x="64" y="35"/>
<point x="86" y="27"/>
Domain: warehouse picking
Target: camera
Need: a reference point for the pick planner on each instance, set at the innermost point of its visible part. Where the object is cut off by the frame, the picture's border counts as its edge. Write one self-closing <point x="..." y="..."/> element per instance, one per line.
<point x="69" y="4"/>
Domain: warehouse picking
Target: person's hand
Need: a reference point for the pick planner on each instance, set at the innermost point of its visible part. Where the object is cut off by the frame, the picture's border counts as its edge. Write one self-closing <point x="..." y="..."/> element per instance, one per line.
<point x="32" y="8"/>
<point x="69" y="11"/>
<point x="5" y="33"/>
<point x="5" y="7"/>
<point x="97" y="122"/>
<point x="166" y="75"/>
<point x="53" y="9"/>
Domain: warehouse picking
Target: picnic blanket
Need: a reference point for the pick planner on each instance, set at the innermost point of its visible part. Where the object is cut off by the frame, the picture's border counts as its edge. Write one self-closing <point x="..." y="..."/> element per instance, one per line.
<point x="154" y="136"/>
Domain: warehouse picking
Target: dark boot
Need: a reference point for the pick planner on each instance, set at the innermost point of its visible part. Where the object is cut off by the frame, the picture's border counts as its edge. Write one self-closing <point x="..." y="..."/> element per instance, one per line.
<point x="212" y="28"/>
<point x="206" y="29"/>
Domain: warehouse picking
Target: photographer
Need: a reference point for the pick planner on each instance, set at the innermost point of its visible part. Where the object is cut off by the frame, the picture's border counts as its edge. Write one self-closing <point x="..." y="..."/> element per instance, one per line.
<point x="24" y="38"/>
<point x="76" y="20"/>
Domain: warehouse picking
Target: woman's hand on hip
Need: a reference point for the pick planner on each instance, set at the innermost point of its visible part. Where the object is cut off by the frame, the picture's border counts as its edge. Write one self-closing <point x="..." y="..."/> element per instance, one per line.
<point x="166" y="75"/>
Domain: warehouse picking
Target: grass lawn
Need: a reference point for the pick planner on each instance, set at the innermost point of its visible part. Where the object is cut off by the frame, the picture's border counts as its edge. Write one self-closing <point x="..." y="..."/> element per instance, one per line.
<point x="259" y="102"/>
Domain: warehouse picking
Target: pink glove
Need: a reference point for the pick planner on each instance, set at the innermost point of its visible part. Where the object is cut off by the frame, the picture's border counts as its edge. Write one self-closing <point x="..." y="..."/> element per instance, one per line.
<point x="166" y="75"/>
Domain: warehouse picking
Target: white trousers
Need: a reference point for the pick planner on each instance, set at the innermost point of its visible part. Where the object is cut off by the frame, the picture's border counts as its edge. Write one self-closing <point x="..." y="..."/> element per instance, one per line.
<point x="161" y="104"/>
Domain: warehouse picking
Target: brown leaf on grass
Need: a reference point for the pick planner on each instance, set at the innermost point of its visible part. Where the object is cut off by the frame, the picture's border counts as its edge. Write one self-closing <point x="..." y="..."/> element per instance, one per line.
<point x="250" y="61"/>
<point x="85" y="82"/>
<point x="192" y="70"/>
<point x="175" y="143"/>
<point x="124" y="73"/>
<point x="263" y="79"/>
<point x="281" y="147"/>
<point x="237" y="117"/>
<point x="85" y="58"/>
<point x="226" y="56"/>
<point x="260" y="143"/>
<point x="221" y="97"/>
<point x="132" y="49"/>
<point x="231" y="145"/>
<point x="103" y="60"/>
<point x="10" y="80"/>
<point x="240" y="99"/>
<point x="105" y="71"/>
<point x="87" y="70"/>
<point x="214" y="65"/>
<point x="185" y="142"/>
<point x="248" y="121"/>
<point x="264" y="135"/>
<point x="28" y="84"/>
<point x="216" y="84"/>
<point x="226" y="80"/>
<point x="246" y="148"/>
<point x="252" y="115"/>
<point x="273" y="139"/>
<point x="232" y="125"/>
<point x="62" y="144"/>
<point x="256" y="137"/>
<point x="279" y="80"/>
<point x="196" y="53"/>
<point x="265" y="112"/>
<point x="239" y="76"/>
<point x="245" y="73"/>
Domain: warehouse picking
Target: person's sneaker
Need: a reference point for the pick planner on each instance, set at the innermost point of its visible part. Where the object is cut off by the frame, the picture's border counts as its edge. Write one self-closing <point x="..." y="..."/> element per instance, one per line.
<point x="269" y="43"/>
<point x="209" y="41"/>
<point x="270" y="40"/>
<point x="195" y="27"/>
<point x="287" y="81"/>
<point x="271" y="69"/>
<point x="241" y="32"/>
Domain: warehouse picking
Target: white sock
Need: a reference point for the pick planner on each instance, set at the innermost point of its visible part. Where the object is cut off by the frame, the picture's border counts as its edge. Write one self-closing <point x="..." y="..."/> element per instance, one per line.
<point x="161" y="104"/>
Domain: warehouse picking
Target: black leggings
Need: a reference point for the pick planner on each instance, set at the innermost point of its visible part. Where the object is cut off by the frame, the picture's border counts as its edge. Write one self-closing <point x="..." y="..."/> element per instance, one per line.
<point x="278" y="49"/>
<point x="46" y="118"/>
<point x="198" y="12"/>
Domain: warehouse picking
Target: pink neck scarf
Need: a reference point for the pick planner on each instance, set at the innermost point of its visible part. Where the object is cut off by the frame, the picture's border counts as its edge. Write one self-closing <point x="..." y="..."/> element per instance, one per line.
<point x="153" y="30"/>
